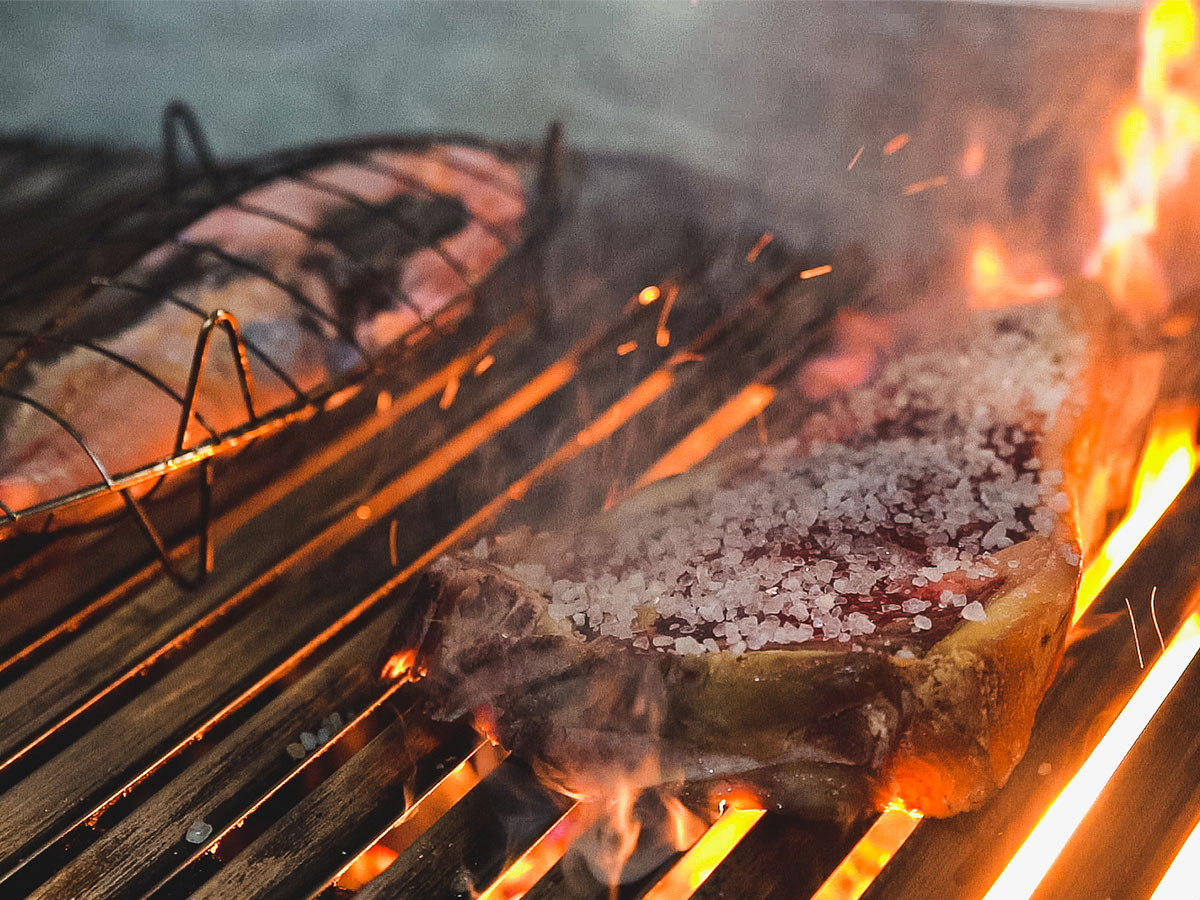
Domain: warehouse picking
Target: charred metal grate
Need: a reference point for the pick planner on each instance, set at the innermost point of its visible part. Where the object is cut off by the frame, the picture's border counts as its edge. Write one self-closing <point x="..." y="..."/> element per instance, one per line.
<point x="236" y="740"/>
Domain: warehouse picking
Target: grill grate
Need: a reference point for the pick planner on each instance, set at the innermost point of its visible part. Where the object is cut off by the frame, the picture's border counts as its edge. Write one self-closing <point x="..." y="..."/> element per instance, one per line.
<point x="130" y="710"/>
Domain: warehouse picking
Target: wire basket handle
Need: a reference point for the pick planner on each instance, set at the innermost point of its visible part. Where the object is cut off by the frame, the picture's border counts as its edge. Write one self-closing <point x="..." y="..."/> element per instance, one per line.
<point x="218" y="318"/>
<point x="177" y="117"/>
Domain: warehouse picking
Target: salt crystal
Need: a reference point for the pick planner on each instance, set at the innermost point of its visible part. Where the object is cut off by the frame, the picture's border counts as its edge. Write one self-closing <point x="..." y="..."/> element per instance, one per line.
<point x="922" y="623"/>
<point x="296" y="751"/>
<point x="480" y="550"/>
<point x="309" y="740"/>
<point x="974" y="612"/>
<point x="198" y="832"/>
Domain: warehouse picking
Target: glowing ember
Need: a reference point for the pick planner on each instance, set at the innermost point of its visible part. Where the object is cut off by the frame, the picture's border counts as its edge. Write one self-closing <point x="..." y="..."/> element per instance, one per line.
<point x="1030" y="864"/>
<point x="626" y="348"/>
<point x="527" y="869"/>
<point x="874" y="849"/>
<point x="815" y="272"/>
<point x="367" y="865"/>
<point x="649" y="294"/>
<point x="1156" y="138"/>
<point x="662" y="336"/>
<point x="922" y="186"/>
<point x="1179" y="881"/>
<point x="1167" y="463"/>
<point x="484" y="364"/>
<point x="760" y="246"/>
<point x="706" y="854"/>
<point x="449" y="393"/>
<point x="895" y="144"/>
<point x="363" y="513"/>
<point x="857" y="157"/>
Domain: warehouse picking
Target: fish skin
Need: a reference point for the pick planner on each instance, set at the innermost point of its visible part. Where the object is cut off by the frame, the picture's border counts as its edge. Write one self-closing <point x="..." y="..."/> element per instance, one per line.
<point x="396" y="235"/>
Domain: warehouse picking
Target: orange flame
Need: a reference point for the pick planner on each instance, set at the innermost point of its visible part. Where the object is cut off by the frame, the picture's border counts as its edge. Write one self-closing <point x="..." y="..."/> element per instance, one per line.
<point x="1156" y="138"/>
<point x="625" y="827"/>
<point x="1167" y="463"/>
<point x="992" y="282"/>
<point x="399" y="665"/>
<point x="686" y="826"/>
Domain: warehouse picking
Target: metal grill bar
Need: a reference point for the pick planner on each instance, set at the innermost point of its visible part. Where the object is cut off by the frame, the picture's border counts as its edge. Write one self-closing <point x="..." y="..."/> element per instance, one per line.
<point x="1158" y="780"/>
<point x="467" y="848"/>
<point x="799" y="856"/>
<point x="574" y="879"/>
<point x="223" y="773"/>
<point x="341" y="816"/>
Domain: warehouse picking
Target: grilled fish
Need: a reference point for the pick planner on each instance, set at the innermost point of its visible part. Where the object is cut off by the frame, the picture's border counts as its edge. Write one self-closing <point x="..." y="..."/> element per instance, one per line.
<point x="322" y="267"/>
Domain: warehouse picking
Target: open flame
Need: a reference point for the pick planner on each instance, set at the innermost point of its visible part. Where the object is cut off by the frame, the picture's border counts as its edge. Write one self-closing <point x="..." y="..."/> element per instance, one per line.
<point x="1156" y="139"/>
<point x="1167" y="463"/>
<point x="995" y="280"/>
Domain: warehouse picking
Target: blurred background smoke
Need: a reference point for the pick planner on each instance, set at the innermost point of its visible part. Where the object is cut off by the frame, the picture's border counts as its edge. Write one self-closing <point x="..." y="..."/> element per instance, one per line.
<point x="777" y="95"/>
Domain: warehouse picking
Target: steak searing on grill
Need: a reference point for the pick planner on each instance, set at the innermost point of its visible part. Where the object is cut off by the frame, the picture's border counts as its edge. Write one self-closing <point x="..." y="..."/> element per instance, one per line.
<point x="864" y="610"/>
